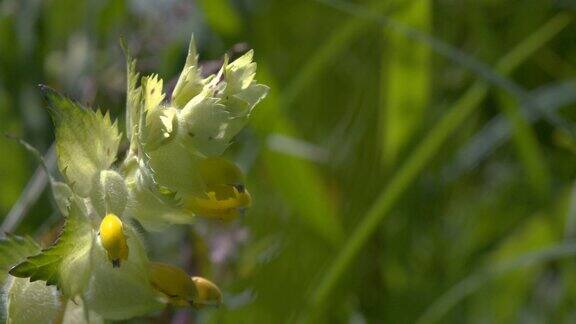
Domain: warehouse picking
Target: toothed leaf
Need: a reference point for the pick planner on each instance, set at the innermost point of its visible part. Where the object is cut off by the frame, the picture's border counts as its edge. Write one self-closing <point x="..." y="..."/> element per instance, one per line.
<point x="65" y="264"/>
<point x="14" y="249"/>
<point x="86" y="140"/>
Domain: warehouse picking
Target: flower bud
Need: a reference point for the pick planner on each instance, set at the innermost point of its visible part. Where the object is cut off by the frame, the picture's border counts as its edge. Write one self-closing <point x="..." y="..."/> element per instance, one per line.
<point x="113" y="239"/>
<point x="208" y="293"/>
<point x="173" y="282"/>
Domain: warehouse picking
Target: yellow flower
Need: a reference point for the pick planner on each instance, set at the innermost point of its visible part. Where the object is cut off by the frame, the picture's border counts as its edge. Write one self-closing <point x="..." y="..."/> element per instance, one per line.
<point x="173" y="282"/>
<point x="113" y="239"/>
<point x="208" y="293"/>
<point x="181" y="289"/>
<point x="223" y="202"/>
<point x="226" y="196"/>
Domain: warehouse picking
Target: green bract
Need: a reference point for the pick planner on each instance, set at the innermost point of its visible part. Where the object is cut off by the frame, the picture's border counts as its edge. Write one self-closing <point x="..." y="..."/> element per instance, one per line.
<point x="67" y="262"/>
<point x="86" y="140"/>
<point x="171" y="173"/>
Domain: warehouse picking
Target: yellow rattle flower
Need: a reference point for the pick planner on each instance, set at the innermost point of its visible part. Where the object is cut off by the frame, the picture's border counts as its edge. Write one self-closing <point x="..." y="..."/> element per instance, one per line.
<point x="226" y="196"/>
<point x="181" y="289"/>
<point x="113" y="239"/>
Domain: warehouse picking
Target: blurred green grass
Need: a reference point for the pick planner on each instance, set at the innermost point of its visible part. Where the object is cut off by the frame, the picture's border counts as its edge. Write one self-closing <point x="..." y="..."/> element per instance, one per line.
<point x="365" y="212"/>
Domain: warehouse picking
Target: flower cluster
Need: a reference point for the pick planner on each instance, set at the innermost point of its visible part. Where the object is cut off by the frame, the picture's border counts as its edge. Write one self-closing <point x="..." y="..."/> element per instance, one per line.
<point x="173" y="171"/>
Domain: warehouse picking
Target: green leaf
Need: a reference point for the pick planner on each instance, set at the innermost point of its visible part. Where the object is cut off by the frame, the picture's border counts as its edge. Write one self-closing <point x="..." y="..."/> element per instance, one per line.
<point x="86" y="140"/>
<point x="13" y="249"/>
<point x="65" y="264"/>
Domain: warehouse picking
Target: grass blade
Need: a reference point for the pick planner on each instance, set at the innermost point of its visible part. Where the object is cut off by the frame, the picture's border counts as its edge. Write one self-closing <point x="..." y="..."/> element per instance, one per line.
<point x="467" y="286"/>
<point x="527" y="146"/>
<point x="496" y="131"/>
<point x="457" y="56"/>
<point x="416" y="162"/>
<point x="406" y="73"/>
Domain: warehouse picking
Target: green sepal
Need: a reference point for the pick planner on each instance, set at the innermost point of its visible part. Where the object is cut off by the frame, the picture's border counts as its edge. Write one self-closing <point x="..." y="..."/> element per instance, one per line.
<point x="240" y="74"/>
<point x="154" y="206"/>
<point x="86" y="140"/>
<point x="241" y="94"/>
<point x="66" y="263"/>
<point x="203" y="122"/>
<point x="123" y="292"/>
<point x="78" y="313"/>
<point x="241" y="85"/>
<point x="174" y="167"/>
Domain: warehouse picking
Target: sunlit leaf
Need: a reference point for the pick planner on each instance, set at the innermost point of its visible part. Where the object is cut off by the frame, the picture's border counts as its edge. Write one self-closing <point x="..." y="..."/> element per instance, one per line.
<point x="65" y="264"/>
<point x="14" y="249"/>
<point x="86" y="141"/>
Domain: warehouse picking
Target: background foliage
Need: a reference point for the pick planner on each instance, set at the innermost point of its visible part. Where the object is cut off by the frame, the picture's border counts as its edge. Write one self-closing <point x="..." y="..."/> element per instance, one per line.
<point x="413" y="162"/>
